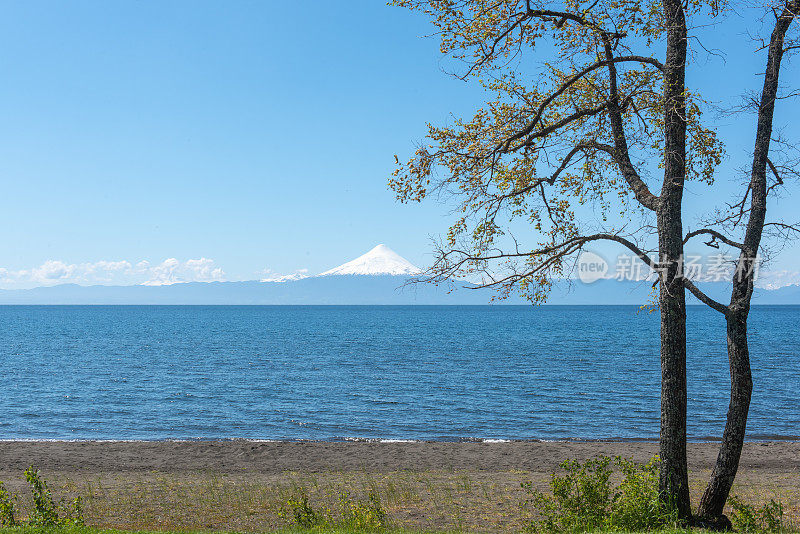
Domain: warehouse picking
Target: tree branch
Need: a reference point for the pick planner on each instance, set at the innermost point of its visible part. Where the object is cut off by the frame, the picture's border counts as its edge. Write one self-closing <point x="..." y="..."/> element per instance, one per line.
<point x="702" y="297"/>
<point x="635" y="182"/>
<point x="621" y="151"/>
<point x="714" y="236"/>
<point x="444" y="269"/>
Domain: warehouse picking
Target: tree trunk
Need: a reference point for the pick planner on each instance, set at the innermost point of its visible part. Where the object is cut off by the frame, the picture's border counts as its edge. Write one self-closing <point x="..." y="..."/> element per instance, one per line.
<point x="673" y="478"/>
<point x="713" y="501"/>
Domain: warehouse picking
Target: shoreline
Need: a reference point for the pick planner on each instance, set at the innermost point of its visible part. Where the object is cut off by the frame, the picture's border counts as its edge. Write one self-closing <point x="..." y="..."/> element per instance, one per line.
<point x="243" y="485"/>
<point x="238" y="455"/>
<point x="703" y="440"/>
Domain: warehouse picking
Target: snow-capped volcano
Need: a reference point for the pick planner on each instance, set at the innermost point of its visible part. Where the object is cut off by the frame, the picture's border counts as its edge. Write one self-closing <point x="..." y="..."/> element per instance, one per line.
<point x="381" y="260"/>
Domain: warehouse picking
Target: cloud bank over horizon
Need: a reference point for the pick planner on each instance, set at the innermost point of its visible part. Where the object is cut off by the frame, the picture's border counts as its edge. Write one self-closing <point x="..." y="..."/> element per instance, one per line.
<point x="174" y="271"/>
<point x="122" y="272"/>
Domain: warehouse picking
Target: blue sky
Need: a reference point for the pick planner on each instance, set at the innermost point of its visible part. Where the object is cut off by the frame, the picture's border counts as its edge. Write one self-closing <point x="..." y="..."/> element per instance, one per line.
<point x="248" y="137"/>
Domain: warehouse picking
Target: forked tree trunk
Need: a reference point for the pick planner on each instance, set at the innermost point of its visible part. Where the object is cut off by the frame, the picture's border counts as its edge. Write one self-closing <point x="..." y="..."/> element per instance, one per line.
<point x="718" y="489"/>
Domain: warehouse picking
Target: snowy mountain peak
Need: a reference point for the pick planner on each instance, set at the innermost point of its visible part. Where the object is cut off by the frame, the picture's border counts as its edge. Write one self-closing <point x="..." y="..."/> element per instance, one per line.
<point x="378" y="261"/>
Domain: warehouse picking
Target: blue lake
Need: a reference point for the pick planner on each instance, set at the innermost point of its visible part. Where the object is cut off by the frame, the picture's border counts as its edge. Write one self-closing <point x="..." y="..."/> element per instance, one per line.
<point x="404" y="372"/>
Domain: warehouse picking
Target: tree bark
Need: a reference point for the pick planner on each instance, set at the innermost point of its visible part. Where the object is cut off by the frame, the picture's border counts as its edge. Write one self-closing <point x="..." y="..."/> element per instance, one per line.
<point x="716" y="494"/>
<point x="673" y="479"/>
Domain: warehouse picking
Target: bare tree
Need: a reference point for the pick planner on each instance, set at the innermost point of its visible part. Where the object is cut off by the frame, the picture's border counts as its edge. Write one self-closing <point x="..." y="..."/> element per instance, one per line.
<point x="580" y="123"/>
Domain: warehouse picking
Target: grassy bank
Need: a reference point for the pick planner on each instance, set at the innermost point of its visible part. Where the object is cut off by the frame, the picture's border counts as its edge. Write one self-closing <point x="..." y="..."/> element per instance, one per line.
<point x="93" y="530"/>
<point x="421" y="501"/>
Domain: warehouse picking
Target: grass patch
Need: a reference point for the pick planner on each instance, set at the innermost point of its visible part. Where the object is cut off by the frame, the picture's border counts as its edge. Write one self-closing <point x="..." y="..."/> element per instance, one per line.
<point x="316" y="530"/>
<point x="749" y="518"/>
<point x="360" y="515"/>
<point x="93" y="530"/>
<point x="407" y="501"/>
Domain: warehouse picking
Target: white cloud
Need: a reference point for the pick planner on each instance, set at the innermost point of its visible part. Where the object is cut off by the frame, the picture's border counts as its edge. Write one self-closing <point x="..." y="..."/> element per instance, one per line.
<point x="777" y="279"/>
<point x="163" y="274"/>
<point x="172" y="271"/>
<point x="112" y="265"/>
<point x="53" y="270"/>
<point x="118" y="272"/>
<point x="268" y="275"/>
<point x="204" y="269"/>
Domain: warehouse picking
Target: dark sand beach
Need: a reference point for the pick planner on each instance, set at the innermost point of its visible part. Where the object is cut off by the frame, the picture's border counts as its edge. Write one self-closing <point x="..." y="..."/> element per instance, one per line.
<point x="242" y="485"/>
<point x="236" y="456"/>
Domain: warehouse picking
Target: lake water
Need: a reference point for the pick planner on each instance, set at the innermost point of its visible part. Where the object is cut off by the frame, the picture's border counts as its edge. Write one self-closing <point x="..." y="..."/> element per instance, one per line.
<point x="405" y="372"/>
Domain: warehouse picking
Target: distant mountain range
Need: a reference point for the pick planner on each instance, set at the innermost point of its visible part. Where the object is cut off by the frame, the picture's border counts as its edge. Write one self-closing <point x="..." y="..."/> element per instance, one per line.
<point x="381" y="276"/>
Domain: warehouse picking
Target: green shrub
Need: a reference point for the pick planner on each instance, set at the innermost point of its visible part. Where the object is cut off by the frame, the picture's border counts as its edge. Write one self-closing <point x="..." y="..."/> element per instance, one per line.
<point x="76" y="512"/>
<point x="748" y="518"/>
<point x="363" y="515"/>
<point x="585" y="499"/>
<point x="636" y="504"/>
<point x="7" y="518"/>
<point x="358" y="515"/>
<point x="46" y="512"/>
<point x="298" y="509"/>
<point x="580" y="498"/>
